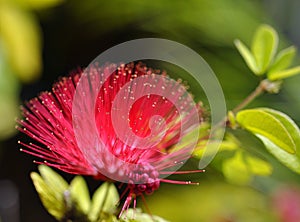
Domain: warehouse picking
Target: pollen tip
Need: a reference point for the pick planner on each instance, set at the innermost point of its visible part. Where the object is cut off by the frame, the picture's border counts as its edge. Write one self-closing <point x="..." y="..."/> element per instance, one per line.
<point x="19" y="142"/>
<point x="21" y="149"/>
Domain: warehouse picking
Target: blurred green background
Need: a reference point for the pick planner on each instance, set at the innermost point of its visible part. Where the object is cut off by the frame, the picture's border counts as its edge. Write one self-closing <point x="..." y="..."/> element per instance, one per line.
<point x="42" y="40"/>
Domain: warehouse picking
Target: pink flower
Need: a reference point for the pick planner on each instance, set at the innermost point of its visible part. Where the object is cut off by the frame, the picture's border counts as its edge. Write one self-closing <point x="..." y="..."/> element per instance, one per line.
<point x="286" y="203"/>
<point x="71" y="145"/>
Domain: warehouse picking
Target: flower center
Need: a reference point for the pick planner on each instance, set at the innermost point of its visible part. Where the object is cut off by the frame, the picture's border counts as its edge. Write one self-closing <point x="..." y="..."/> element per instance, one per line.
<point x="144" y="179"/>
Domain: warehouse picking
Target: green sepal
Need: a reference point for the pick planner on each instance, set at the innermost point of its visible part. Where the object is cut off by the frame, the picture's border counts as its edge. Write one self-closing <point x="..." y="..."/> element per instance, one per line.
<point x="53" y="179"/>
<point x="80" y="194"/>
<point x="136" y="215"/>
<point x="52" y="201"/>
<point x="105" y="200"/>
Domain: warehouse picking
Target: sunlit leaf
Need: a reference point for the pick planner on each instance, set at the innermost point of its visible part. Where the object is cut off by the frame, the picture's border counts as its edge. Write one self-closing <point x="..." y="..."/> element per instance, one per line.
<point x="104" y="199"/>
<point x="207" y="147"/>
<point x="258" y="166"/>
<point x="288" y="123"/>
<point x="264" y="47"/>
<point x="241" y="168"/>
<point x="292" y="161"/>
<point x="235" y="170"/>
<point x="283" y="60"/>
<point x="80" y="194"/>
<point x="54" y="205"/>
<point x="230" y="143"/>
<point x="53" y="180"/>
<point x="212" y="202"/>
<point x="21" y="37"/>
<point x="265" y="123"/>
<point x="284" y="73"/>
<point x="247" y="56"/>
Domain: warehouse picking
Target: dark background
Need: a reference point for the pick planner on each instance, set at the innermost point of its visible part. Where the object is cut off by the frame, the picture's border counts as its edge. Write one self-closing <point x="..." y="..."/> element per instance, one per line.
<point x="75" y="32"/>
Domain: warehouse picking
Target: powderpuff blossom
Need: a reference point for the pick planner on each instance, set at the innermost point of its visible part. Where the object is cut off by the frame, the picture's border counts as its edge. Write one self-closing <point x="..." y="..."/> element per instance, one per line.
<point x="102" y="123"/>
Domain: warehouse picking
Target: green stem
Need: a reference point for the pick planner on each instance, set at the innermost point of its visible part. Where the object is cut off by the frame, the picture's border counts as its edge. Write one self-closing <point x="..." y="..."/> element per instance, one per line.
<point x="261" y="88"/>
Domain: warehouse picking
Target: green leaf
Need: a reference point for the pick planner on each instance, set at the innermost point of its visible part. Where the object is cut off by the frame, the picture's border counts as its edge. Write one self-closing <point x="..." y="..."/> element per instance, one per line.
<point x="9" y="83"/>
<point x="9" y="97"/>
<point x="9" y="111"/>
<point x="241" y="168"/>
<point x="283" y="60"/>
<point x="247" y="56"/>
<point x="290" y="160"/>
<point x="53" y="180"/>
<point x="213" y="201"/>
<point x="80" y="194"/>
<point x="289" y="124"/>
<point x="20" y="33"/>
<point x="229" y="143"/>
<point x="284" y="73"/>
<point x="38" y="4"/>
<point x="264" y="47"/>
<point x="235" y="170"/>
<point x="104" y="199"/>
<point x="269" y="124"/>
<point x="209" y="146"/>
<point x="258" y="166"/>
<point x="54" y="205"/>
<point x="136" y="215"/>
